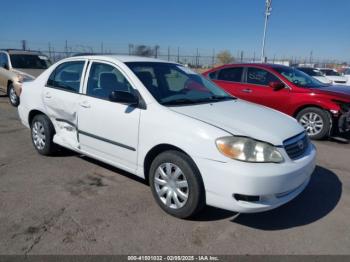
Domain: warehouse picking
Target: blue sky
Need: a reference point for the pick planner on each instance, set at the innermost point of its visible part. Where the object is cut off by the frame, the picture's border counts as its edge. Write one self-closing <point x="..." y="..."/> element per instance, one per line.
<point x="296" y="27"/>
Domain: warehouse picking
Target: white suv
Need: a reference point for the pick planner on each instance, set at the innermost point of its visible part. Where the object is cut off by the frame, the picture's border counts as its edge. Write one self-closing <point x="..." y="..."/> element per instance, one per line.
<point x="193" y="142"/>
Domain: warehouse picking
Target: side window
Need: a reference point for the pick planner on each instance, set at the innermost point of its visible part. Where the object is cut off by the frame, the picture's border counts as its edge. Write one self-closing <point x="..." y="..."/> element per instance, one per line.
<point x="259" y="76"/>
<point x="104" y="79"/>
<point x="3" y="60"/>
<point x="67" y="76"/>
<point x="213" y="75"/>
<point x="233" y="74"/>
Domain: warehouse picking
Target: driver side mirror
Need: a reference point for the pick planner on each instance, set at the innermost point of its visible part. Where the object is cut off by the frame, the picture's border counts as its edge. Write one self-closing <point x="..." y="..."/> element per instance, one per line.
<point x="124" y="98"/>
<point x="276" y="85"/>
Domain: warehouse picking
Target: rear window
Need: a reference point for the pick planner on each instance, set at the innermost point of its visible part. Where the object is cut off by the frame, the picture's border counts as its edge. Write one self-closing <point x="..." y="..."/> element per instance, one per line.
<point x="29" y="61"/>
<point x="233" y="74"/>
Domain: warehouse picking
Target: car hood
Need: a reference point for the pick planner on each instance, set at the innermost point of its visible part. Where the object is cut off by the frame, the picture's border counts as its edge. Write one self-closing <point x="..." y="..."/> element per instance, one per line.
<point x="29" y="72"/>
<point x="243" y="118"/>
<point x="337" y="78"/>
<point x="338" y="90"/>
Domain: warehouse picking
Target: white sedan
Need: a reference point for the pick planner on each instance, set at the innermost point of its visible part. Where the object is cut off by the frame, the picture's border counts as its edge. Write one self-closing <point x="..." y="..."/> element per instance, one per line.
<point x="315" y="73"/>
<point x="191" y="141"/>
<point x="347" y="75"/>
<point x="334" y="76"/>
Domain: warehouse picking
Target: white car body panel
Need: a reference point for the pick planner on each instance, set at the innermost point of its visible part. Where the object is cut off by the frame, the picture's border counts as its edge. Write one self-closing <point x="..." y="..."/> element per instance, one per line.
<point x="336" y="80"/>
<point x="323" y="79"/>
<point x="193" y="129"/>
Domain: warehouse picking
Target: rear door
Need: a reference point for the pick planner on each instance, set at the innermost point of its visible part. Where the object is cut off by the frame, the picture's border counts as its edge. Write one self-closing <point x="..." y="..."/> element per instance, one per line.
<point x="108" y="130"/>
<point x="258" y="90"/>
<point x="230" y="79"/>
<point x="61" y="96"/>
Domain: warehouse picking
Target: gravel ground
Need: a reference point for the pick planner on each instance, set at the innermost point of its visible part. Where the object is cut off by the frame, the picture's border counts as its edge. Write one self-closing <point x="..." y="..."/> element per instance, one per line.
<point x="71" y="204"/>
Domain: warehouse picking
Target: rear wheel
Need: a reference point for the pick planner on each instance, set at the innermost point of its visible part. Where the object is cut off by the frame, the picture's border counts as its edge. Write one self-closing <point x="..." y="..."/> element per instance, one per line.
<point x="14" y="99"/>
<point x="42" y="135"/>
<point x="176" y="184"/>
<point x="316" y="122"/>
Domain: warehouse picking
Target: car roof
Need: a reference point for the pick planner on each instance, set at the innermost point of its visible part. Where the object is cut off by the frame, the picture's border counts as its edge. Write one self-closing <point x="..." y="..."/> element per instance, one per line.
<point x="22" y="52"/>
<point x="122" y="58"/>
<point x="259" y="65"/>
<point x="307" y="68"/>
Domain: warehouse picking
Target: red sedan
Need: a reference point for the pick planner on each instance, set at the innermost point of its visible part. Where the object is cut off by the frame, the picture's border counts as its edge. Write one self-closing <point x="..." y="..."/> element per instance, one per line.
<point x="321" y="109"/>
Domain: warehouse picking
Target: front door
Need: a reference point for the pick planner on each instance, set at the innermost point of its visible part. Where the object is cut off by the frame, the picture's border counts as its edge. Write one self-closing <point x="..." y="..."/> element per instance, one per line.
<point x="257" y="82"/>
<point x="108" y="130"/>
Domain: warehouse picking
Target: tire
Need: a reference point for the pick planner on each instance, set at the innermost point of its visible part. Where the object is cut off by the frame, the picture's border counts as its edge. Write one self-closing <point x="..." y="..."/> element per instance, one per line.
<point x="316" y="121"/>
<point x="185" y="169"/>
<point x="13" y="98"/>
<point x="42" y="132"/>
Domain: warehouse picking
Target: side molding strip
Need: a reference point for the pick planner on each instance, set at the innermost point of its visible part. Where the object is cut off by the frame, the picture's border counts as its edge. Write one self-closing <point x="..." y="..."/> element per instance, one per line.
<point x="106" y="140"/>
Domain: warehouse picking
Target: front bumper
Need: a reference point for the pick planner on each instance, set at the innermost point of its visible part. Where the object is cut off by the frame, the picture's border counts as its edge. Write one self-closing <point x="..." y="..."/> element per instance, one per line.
<point x="274" y="184"/>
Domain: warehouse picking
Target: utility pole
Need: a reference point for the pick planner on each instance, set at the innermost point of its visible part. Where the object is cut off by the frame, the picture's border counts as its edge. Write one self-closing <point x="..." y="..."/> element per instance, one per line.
<point x="213" y="59"/>
<point x="66" y="48"/>
<point x="24" y="45"/>
<point x="267" y="14"/>
<point x="156" y="51"/>
<point x="178" y="54"/>
<point x="168" y="53"/>
<point x="101" y="47"/>
<point x="50" y="51"/>
<point x="241" y="56"/>
<point x="311" y="53"/>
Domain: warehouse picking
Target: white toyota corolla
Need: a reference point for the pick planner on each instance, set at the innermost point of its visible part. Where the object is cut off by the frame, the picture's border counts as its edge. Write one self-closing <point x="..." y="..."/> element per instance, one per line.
<point x="191" y="141"/>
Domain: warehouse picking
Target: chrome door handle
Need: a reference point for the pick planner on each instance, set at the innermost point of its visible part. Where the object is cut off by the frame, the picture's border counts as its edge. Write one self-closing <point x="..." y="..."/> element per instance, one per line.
<point x="247" y="90"/>
<point x="85" y="104"/>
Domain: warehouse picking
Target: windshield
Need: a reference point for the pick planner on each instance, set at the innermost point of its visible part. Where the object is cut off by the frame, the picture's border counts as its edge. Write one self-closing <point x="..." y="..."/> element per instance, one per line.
<point x="173" y="84"/>
<point x="330" y="72"/>
<point x="311" y="71"/>
<point x="299" y="78"/>
<point x="29" y="61"/>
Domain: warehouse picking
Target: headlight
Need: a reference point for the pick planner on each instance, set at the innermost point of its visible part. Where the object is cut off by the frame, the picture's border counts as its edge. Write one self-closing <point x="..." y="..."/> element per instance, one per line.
<point x="23" y="78"/>
<point x="248" y="150"/>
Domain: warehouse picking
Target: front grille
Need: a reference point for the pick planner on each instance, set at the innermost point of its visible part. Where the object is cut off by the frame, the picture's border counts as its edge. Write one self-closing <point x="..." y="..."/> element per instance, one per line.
<point x="296" y="146"/>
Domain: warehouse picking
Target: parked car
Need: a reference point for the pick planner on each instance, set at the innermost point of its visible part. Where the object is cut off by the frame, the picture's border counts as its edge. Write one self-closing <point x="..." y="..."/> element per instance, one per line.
<point x="315" y="73"/>
<point x="191" y="140"/>
<point x="347" y="75"/>
<point x="321" y="109"/>
<point x="334" y="76"/>
<point x="16" y="67"/>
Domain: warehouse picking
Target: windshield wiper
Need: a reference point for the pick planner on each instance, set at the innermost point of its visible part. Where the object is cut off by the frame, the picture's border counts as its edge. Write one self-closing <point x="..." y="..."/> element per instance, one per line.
<point x="179" y="101"/>
<point x="196" y="101"/>
<point x="215" y="99"/>
<point x="221" y="98"/>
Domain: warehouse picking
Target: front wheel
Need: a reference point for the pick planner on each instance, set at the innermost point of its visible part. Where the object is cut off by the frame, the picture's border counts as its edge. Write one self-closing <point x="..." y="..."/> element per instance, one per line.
<point x="176" y="184"/>
<point x="316" y="122"/>
<point x="14" y="99"/>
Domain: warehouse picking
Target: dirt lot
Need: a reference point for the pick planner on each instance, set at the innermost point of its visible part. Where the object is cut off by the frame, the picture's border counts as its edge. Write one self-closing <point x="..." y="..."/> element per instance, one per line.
<point x="71" y="204"/>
